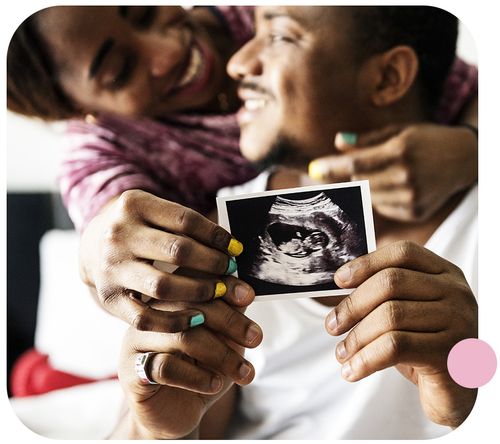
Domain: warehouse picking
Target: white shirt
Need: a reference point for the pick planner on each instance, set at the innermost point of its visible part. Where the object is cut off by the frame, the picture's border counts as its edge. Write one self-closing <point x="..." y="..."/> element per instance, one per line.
<point x="298" y="392"/>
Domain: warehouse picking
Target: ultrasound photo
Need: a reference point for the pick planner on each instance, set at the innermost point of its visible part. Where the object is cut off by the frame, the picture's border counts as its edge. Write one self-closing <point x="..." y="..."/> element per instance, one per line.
<point x="296" y="239"/>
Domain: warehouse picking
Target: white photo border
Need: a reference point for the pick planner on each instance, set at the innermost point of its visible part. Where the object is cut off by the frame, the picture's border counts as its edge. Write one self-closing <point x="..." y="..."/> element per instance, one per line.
<point x="366" y="204"/>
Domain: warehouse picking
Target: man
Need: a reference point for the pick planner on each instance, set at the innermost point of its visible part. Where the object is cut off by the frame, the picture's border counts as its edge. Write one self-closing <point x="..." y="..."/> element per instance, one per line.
<point x="311" y="72"/>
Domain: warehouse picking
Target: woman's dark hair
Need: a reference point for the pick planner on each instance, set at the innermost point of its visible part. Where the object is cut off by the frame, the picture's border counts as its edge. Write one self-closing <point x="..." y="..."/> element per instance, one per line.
<point x="32" y="84"/>
<point x="431" y="32"/>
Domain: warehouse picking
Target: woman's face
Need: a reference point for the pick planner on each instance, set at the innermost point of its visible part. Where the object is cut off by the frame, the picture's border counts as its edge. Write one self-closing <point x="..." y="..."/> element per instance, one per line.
<point x="132" y="60"/>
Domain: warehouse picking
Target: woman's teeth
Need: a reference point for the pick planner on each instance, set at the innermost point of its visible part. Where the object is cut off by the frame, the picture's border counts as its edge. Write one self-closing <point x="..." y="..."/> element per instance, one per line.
<point x="193" y="69"/>
<point x="255" y="104"/>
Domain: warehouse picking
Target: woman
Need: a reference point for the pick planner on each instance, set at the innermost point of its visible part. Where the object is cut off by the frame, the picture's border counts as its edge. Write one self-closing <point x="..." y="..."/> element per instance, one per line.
<point x="160" y="127"/>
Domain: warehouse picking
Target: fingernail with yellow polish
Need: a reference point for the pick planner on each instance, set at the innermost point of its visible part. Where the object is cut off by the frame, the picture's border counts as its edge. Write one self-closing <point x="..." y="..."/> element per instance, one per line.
<point x="220" y="289"/>
<point x="235" y="248"/>
<point x="315" y="170"/>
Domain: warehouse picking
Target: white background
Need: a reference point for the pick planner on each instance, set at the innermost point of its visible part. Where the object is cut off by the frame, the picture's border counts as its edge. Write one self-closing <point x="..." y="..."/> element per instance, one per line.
<point x="482" y="21"/>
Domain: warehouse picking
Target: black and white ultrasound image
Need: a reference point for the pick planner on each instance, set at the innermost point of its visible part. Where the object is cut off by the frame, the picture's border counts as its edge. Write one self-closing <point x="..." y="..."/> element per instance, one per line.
<point x="296" y="241"/>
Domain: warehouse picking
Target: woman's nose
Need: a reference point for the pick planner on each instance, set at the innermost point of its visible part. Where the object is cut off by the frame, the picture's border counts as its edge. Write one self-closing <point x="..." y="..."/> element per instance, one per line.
<point x="246" y="61"/>
<point x="160" y="63"/>
<point x="163" y="54"/>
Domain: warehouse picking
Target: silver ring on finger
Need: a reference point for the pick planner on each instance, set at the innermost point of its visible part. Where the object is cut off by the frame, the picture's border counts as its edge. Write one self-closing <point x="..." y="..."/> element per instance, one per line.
<point x="142" y="364"/>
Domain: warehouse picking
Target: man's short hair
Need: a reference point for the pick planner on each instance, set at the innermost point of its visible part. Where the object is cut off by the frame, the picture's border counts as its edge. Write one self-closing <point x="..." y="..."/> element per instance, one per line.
<point x="431" y="32"/>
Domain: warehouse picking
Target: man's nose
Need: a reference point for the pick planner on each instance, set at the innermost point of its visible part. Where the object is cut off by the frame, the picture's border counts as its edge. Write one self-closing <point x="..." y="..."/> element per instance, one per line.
<point x="246" y="61"/>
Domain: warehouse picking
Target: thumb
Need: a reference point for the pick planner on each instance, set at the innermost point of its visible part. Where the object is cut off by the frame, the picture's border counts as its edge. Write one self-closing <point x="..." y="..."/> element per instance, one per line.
<point x="345" y="141"/>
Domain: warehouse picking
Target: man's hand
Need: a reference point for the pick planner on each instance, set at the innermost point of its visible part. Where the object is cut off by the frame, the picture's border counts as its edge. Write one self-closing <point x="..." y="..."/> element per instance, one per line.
<point x="120" y="245"/>
<point x="413" y="170"/>
<point x="409" y="309"/>
<point x="193" y="369"/>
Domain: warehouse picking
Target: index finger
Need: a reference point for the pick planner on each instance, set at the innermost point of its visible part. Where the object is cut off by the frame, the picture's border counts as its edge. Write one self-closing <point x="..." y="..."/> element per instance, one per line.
<point x="402" y="254"/>
<point x="176" y="218"/>
<point x="357" y="161"/>
<point x="346" y="141"/>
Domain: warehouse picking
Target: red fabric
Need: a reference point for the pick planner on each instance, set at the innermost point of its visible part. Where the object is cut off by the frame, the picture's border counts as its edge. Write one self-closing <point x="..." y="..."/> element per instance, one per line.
<point x="32" y="374"/>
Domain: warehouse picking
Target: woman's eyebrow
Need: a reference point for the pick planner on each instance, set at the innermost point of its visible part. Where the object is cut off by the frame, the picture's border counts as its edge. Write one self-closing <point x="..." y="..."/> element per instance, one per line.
<point x="101" y="54"/>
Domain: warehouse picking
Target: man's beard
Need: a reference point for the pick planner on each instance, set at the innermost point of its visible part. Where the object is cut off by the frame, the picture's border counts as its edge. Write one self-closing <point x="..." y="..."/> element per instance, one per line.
<point x="284" y="152"/>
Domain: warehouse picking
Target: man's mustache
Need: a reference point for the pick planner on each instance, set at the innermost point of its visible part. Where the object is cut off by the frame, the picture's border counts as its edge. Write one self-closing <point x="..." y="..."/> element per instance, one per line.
<point x="252" y="86"/>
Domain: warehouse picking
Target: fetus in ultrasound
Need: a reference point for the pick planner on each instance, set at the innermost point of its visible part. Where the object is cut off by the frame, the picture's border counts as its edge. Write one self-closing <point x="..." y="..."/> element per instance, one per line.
<point x="305" y="241"/>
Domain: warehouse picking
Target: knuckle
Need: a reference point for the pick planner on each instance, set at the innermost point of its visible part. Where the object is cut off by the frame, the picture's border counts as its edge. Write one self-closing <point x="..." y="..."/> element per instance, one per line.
<point x="156" y="286"/>
<point x="167" y="368"/>
<point x="394" y="314"/>
<point x="110" y="262"/>
<point x="395" y="344"/>
<point x="185" y="219"/>
<point x="352" y="340"/>
<point x="226" y="358"/>
<point x="172" y="321"/>
<point x="231" y="319"/>
<point x="178" y="250"/>
<point x="203" y="292"/>
<point x="355" y="165"/>
<point x="417" y="212"/>
<point x="141" y="320"/>
<point x="349" y="308"/>
<point x="390" y="279"/>
<point x="457" y="271"/>
<point x="404" y="174"/>
<point x="183" y="339"/>
<point x="406" y="142"/>
<point x="221" y="263"/>
<point x="127" y="202"/>
<point x="411" y="196"/>
<point x="107" y="296"/>
<point x="404" y="250"/>
<point x="114" y="233"/>
<point x="218" y="236"/>
<point x="361" y="362"/>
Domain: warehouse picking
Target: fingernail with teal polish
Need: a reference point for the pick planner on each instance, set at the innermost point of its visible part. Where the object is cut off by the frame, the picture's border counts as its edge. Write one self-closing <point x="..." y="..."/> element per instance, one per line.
<point x="231" y="266"/>
<point x="350" y="138"/>
<point x="197" y="320"/>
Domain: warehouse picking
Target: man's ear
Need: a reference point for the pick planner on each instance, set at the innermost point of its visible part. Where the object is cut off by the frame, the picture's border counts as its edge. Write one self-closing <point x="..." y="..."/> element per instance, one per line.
<point x="396" y="71"/>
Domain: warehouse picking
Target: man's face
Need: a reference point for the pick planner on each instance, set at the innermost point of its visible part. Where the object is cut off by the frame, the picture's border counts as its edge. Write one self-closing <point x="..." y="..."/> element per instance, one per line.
<point x="299" y="83"/>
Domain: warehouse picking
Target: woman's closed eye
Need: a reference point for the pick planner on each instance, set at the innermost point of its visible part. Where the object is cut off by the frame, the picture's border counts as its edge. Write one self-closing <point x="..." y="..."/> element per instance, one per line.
<point x="118" y="75"/>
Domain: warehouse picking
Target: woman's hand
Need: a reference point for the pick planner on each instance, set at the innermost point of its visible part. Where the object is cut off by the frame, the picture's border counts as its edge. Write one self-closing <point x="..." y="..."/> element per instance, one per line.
<point x="413" y="170"/>
<point x="120" y="245"/>
<point x="409" y="308"/>
<point x="193" y="370"/>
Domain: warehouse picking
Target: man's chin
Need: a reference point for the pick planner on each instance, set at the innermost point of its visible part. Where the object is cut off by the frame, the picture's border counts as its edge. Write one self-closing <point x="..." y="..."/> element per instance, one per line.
<point x="283" y="152"/>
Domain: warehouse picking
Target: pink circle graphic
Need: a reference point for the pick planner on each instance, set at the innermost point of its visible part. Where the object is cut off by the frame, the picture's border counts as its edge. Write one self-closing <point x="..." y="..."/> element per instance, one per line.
<point x="472" y="363"/>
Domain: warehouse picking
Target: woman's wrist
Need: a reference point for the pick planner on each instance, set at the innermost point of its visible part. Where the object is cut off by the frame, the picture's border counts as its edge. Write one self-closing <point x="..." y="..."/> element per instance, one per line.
<point x="130" y="428"/>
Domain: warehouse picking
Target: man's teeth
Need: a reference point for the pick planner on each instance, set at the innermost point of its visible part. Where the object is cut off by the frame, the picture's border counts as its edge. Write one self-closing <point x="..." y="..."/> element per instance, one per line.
<point x="254" y="104"/>
<point x="194" y="67"/>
